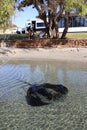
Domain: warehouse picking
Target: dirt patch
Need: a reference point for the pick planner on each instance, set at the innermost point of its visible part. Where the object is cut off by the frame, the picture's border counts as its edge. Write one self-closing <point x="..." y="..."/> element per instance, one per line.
<point x="27" y="43"/>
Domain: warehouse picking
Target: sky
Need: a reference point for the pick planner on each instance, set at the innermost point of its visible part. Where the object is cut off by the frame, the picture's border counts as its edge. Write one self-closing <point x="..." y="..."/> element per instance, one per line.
<point x="21" y="17"/>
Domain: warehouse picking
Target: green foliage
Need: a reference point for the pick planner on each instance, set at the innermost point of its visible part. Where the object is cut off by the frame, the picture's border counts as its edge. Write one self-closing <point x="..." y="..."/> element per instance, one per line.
<point x="13" y="36"/>
<point x="79" y="5"/>
<point x="82" y="8"/>
<point x="6" y="11"/>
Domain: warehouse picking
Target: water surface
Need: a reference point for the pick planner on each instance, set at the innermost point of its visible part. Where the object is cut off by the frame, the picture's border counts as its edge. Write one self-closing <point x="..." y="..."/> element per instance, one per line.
<point x="66" y="114"/>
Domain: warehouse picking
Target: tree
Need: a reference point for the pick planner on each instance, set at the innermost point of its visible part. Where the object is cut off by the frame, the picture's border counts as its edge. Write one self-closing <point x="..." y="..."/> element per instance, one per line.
<point x="80" y="8"/>
<point x="6" y="11"/>
<point x="48" y="12"/>
<point x="51" y="11"/>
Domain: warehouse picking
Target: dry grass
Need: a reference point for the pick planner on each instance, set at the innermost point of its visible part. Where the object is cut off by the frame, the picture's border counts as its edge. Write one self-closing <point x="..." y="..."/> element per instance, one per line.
<point x="77" y="35"/>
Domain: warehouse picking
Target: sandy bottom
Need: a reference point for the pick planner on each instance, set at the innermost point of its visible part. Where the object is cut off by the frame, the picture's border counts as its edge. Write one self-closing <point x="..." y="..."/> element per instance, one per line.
<point x="68" y="113"/>
<point x="59" y="54"/>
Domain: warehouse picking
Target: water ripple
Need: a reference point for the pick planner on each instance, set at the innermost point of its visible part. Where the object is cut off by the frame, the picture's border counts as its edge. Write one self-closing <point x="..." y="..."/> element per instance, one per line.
<point x="67" y="114"/>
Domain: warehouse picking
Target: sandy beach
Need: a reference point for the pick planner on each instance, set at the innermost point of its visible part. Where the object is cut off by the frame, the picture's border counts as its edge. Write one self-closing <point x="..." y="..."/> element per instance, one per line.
<point x="59" y="54"/>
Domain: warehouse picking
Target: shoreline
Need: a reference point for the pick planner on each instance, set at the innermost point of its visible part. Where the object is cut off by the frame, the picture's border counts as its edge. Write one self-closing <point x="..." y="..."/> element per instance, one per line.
<point x="43" y="54"/>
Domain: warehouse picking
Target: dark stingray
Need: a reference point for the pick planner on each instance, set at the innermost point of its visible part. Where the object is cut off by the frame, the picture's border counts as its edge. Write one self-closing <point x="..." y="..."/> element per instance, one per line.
<point x="43" y="94"/>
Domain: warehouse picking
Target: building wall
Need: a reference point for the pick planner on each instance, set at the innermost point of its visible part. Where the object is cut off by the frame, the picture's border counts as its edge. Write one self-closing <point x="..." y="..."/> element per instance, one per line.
<point x="9" y="31"/>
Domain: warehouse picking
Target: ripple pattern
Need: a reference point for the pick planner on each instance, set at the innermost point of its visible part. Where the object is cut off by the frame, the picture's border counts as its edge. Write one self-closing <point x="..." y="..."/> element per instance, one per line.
<point x="67" y="114"/>
<point x="11" y="77"/>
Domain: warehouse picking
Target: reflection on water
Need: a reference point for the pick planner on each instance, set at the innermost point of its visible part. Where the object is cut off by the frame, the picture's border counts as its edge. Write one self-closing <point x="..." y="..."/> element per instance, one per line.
<point x="16" y="114"/>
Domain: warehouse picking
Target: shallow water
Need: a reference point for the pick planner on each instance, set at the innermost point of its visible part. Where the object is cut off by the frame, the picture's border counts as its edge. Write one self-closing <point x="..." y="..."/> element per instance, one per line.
<point x="66" y="114"/>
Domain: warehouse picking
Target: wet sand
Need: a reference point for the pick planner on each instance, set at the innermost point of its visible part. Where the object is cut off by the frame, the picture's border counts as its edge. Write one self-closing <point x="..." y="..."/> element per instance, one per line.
<point x="58" y="54"/>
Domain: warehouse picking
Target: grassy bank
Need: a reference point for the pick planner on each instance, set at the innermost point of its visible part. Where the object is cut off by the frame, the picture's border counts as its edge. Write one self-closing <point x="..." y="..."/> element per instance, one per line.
<point x="13" y="36"/>
<point x="23" y="36"/>
<point x="77" y="35"/>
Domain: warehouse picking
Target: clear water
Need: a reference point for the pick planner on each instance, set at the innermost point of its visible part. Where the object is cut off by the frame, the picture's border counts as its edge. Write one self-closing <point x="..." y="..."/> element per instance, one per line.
<point x="66" y="114"/>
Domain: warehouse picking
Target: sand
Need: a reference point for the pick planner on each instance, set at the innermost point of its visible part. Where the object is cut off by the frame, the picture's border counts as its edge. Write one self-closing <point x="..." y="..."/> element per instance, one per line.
<point x="58" y="54"/>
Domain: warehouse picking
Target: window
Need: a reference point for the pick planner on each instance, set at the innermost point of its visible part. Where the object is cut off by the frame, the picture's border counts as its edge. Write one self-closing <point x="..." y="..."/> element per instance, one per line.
<point x="61" y="23"/>
<point x="78" y="21"/>
<point x="75" y="21"/>
<point x="40" y="25"/>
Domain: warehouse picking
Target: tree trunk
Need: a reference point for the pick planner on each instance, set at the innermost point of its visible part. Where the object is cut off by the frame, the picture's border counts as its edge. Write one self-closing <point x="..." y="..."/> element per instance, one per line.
<point x="56" y="29"/>
<point x="53" y="29"/>
<point x="47" y="30"/>
<point x="66" y="25"/>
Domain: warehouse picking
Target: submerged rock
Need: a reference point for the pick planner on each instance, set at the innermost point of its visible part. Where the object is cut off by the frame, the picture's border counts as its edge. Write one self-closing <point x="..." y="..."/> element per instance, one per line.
<point x="43" y="94"/>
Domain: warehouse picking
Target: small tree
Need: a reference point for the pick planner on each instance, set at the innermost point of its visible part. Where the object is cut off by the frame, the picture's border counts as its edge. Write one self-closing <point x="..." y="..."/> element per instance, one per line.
<point x="6" y="11"/>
